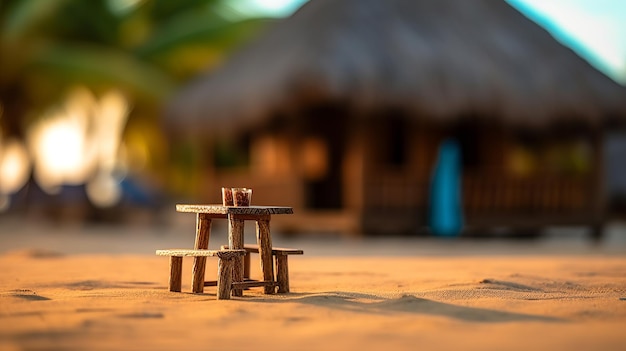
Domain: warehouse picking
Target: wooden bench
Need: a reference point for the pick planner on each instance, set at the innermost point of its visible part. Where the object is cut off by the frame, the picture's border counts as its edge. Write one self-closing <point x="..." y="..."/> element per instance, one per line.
<point x="282" y="264"/>
<point x="225" y="266"/>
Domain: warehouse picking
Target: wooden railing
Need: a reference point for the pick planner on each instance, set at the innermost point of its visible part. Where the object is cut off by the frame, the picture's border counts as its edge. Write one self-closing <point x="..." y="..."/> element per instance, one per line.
<point x="526" y="195"/>
<point x="484" y="193"/>
<point x="395" y="191"/>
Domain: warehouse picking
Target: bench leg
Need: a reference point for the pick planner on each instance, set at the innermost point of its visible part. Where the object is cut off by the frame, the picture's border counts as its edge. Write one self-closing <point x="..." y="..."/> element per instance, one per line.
<point x="176" y="272"/>
<point x="224" y="278"/>
<point x="282" y="273"/>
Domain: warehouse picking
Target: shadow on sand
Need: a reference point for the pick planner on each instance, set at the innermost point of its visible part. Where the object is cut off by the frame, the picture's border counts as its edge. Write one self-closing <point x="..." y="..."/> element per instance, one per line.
<point x="373" y="304"/>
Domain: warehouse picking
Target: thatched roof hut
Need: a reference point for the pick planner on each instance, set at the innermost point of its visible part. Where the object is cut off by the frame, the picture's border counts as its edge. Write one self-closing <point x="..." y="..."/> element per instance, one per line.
<point x="434" y="59"/>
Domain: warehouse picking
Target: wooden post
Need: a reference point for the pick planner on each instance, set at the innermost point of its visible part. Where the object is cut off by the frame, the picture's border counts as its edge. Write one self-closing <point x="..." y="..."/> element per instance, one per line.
<point x="282" y="273"/>
<point x="176" y="271"/>
<point x="598" y="187"/>
<point x="264" y="240"/>
<point x="235" y="241"/>
<point x="224" y="277"/>
<point x="203" y="232"/>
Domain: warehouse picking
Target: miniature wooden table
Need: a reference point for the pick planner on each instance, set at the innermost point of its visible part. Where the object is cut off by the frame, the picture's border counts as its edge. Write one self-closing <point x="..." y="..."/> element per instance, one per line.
<point x="236" y="216"/>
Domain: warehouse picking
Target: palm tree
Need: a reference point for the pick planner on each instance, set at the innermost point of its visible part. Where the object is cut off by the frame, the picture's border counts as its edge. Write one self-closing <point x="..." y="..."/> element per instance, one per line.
<point x="141" y="48"/>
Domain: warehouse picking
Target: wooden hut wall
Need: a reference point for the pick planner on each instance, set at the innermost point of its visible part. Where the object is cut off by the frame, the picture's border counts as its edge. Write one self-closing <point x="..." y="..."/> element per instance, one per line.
<point x="389" y="193"/>
<point x="395" y="182"/>
<point x="508" y="195"/>
<point x="396" y="196"/>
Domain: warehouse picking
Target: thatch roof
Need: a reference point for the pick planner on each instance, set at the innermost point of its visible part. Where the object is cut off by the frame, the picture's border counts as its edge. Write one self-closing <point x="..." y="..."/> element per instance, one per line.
<point x="436" y="59"/>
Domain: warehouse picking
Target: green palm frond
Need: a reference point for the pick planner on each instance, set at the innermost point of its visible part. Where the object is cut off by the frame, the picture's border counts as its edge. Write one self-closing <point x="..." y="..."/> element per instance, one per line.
<point x="25" y="16"/>
<point x="189" y="29"/>
<point x="102" y="66"/>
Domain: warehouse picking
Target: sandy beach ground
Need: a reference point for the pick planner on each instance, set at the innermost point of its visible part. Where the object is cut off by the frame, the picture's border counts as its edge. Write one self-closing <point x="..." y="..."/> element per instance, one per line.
<point x="102" y="288"/>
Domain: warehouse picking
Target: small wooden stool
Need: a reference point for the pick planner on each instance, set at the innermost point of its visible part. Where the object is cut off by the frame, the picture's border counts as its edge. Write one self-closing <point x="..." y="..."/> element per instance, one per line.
<point x="226" y="263"/>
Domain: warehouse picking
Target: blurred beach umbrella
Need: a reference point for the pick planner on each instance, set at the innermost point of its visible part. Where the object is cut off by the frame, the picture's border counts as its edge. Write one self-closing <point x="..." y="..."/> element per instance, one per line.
<point x="435" y="59"/>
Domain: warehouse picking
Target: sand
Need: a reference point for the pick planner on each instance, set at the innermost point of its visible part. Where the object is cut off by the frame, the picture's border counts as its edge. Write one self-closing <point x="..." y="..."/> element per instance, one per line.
<point x="97" y="301"/>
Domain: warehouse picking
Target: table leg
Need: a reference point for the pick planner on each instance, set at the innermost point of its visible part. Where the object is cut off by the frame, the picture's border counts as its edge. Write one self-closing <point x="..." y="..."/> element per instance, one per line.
<point x="264" y="240"/>
<point x="235" y="241"/>
<point x="203" y="232"/>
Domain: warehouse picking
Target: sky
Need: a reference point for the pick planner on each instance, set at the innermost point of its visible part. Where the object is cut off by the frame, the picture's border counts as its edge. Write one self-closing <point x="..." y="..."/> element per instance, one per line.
<point x="274" y="8"/>
<point x="595" y="29"/>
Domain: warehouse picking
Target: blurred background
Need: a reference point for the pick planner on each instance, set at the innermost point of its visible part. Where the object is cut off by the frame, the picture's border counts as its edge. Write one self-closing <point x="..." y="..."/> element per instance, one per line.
<point x="83" y="86"/>
<point x="438" y="118"/>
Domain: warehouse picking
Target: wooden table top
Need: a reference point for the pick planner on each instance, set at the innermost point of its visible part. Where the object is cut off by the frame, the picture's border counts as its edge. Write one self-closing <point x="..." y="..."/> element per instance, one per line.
<point x="240" y="210"/>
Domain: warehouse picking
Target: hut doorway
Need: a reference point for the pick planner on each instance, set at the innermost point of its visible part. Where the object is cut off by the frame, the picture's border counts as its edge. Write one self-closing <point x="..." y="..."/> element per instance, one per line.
<point x="323" y="156"/>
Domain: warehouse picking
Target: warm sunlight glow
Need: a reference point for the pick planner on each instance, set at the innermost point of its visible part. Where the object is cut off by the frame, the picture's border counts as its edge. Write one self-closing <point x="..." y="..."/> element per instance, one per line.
<point x="270" y="156"/>
<point x="14" y="167"/>
<point x="78" y="143"/>
<point x="60" y="147"/>
<point x="314" y="158"/>
<point x="104" y="190"/>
